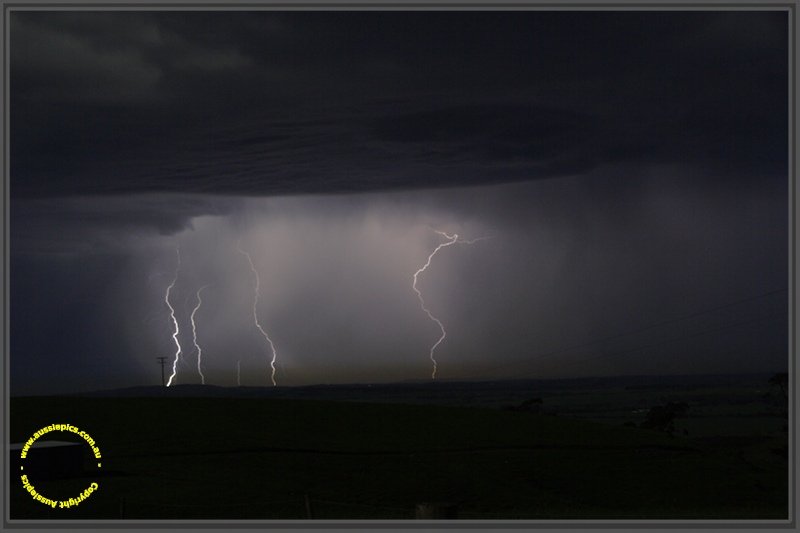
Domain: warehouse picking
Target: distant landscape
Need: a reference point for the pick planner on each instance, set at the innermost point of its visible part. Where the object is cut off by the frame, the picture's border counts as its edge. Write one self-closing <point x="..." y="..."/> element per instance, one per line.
<point x="621" y="448"/>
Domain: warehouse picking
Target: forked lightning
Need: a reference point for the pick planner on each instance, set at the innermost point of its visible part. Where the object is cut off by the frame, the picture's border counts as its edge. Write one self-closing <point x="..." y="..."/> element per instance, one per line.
<point x="451" y="240"/>
<point x="174" y="320"/>
<point x="255" y="312"/>
<point x="194" y="335"/>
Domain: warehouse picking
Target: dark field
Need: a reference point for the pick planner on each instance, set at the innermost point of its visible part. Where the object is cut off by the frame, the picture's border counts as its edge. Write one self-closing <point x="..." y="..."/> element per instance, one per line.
<point x="268" y="453"/>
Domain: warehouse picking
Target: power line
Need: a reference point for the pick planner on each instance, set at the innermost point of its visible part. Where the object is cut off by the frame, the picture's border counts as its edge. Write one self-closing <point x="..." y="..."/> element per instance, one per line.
<point x="639" y="330"/>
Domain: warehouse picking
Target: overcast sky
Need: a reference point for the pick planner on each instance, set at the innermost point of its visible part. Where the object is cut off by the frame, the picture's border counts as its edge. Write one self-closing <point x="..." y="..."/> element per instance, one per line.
<point x="627" y="170"/>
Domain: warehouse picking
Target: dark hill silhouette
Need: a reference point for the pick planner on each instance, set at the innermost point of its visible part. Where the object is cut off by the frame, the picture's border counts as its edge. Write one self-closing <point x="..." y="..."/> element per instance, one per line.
<point x="496" y="393"/>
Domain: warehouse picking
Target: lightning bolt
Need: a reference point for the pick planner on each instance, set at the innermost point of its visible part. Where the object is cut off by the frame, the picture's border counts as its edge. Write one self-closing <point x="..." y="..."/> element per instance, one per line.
<point x="194" y="335"/>
<point x="451" y="240"/>
<point x="174" y="320"/>
<point x="255" y="313"/>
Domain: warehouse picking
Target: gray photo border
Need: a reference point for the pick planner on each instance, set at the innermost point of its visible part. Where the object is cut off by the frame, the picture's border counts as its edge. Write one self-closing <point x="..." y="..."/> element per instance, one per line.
<point x="422" y="526"/>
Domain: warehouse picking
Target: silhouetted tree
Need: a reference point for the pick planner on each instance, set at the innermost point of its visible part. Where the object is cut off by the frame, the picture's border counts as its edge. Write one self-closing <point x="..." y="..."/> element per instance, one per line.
<point x="531" y="405"/>
<point x="781" y="379"/>
<point x="661" y="417"/>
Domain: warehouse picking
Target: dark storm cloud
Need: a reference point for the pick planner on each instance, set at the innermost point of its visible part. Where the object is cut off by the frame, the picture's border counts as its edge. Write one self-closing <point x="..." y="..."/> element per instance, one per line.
<point x="79" y="225"/>
<point x="536" y="140"/>
<point x="630" y="168"/>
<point x="300" y="102"/>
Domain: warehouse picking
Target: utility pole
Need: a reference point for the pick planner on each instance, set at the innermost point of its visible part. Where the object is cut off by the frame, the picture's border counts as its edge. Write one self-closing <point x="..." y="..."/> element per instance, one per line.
<point x="162" y="363"/>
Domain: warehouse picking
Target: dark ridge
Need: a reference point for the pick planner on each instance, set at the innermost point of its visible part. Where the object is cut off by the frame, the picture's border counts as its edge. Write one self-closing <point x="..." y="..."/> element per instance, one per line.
<point x="426" y="391"/>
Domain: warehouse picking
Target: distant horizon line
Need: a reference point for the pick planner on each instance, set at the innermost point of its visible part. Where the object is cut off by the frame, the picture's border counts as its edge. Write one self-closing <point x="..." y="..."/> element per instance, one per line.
<point x="405" y="382"/>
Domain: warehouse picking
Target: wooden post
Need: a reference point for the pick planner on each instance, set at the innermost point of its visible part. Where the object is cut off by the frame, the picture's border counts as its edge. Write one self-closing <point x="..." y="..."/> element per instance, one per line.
<point x="309" y="507"/>
<point x="436" y="511"/>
